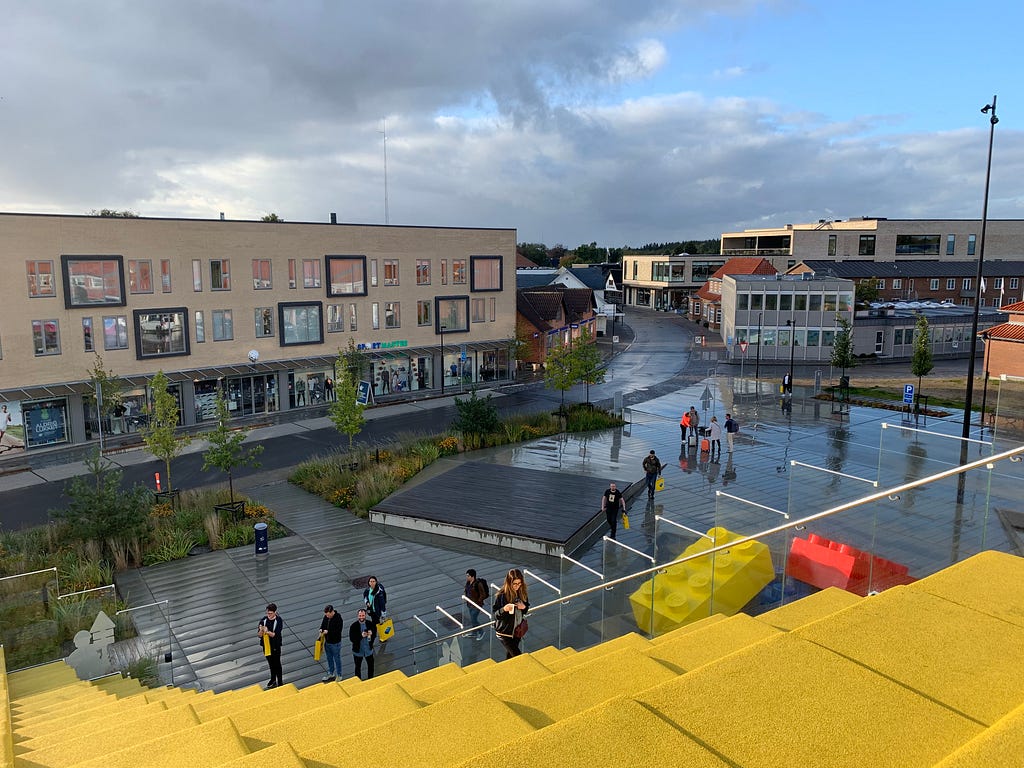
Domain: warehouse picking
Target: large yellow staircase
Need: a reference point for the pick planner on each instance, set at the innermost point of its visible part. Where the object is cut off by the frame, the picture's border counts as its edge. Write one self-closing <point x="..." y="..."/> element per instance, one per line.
<point x="930" y="674"/>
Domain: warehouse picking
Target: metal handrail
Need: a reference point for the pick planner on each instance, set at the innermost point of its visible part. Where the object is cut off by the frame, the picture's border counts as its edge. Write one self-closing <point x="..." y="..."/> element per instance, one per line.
<point x="1014" y="455"/>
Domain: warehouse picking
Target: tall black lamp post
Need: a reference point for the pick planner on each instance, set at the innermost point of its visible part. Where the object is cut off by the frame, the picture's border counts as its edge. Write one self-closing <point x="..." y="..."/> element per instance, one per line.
<point x="988" y="109"/>
<point x="757" y="364"/>
<point x="440" y="327"/>
<point x="792" y="351"/>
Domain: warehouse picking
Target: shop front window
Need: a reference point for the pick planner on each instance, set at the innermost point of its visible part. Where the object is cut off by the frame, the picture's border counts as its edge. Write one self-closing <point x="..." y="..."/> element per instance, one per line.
<point x="46" y="422"/>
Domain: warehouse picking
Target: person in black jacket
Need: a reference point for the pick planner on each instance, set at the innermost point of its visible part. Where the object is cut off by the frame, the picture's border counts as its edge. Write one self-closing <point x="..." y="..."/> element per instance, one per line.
<point x="330" y="634"/>
<point x="271" y="626"/>
<point x="361" y="633"/>
<point x="376" y="600"/>
<point x="510" y="607"/>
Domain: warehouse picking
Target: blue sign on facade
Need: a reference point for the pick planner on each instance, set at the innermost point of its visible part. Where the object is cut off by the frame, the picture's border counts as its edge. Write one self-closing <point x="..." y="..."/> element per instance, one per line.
<point x="908" y="394"/>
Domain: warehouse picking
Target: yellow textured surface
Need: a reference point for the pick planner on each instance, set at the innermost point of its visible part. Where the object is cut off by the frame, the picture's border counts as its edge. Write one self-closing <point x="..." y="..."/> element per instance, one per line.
<point x="787" y="702"/>
<point x="221" y="699"/>
<point x="632" y="640"/>
<point x="713" y="641"/>
<point x="497" y="679"/>
<point x="174" y="696"/>
<point x="277" y="756"/>
<point x="547" y="655"/>
<point x="969" y="661"/>
<point x="811" y="608"/>
<point x="691" y="627"/>
<point x="618" y="732"/>
<point x="38" y="726"/>
<point x="565" y="693"/>
<point x="431" y="677"/>
<point x="86" y="728"/>
<point x="47" y="677"/>
<point x="990" y="582"/>
<point x="30" y="706"/>
<point x="433" y="736"/>
<point x="334" y="721"/>
<point x="478" y="665"/>
<point x="258" y="712"/>
<point x="120" y="686"/>
<point x="354" y="687"/>
<point x="1000" y="745"/>
<point x="118" y="734"/>
<point x="204" y="746"/>
<point x="271" y="699"/>
<point x="6" y="736"/>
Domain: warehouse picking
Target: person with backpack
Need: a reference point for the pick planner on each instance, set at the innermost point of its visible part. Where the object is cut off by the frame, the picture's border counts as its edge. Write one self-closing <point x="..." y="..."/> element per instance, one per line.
<point x="694" y="422"/>
<point x="731" y="428"/>
<point x="477" y="591"/>
<point x="652" y="469"/>
<point x="375" y="599"/>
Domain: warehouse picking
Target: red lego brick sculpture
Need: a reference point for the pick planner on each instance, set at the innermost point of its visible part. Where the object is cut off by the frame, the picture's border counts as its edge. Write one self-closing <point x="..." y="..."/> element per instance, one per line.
<point x="824" y="563"/>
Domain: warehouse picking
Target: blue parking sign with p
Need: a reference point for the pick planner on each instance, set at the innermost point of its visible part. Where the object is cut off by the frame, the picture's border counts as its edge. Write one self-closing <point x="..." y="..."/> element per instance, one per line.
<point x="908" y="393"/>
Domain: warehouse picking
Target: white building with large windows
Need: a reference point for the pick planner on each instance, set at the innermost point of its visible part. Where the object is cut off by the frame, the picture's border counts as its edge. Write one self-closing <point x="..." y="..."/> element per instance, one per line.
<point x="255" y="309"/>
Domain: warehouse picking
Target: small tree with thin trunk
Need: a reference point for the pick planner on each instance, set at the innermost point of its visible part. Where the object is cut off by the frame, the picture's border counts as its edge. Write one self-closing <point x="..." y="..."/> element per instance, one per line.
<point x="842" y="346"/>
<point x="226" y="451"/>
<point x="589" y="361"/>
<point x="346" y="412"/>
<point x="160" y="434"/>
<point x="561" y="371"/>
<point x="921" y="363"/>
<point x="110" y="389"/>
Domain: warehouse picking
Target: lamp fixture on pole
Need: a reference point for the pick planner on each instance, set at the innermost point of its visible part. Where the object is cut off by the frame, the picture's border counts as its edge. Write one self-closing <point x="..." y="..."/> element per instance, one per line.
<point x="988" y="109"/>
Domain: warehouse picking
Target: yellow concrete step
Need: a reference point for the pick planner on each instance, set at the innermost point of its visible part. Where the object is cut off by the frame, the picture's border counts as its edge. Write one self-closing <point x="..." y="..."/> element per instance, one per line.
<point x="122" y="687"/>
<point x="220" y="698"/>
<point x="117" y="735"/>
<point x="972" y="662"/>
<point x="690" y="650"/>
<point x="277" y="756"/>
<point x="990" y="582"/>
<point x="432" y="737"/>
<point x="58" y="701"/>
<point x="6" y="734"/>
<point x="686" y="628"/>
<point x="207" y="745"/>
<point x="309" y="729"/>
<point x="45" y="677"/>
<point x="88" y="726"/>
<point x="1000" y="744"/>
<point x="557" y="696"/>
<point x="632" y="640"/>
<point x="787" y="701"/>
<point x="354" y="686"/>
<point x="497" y="679"/>
<point x="478" y="665"/>
<point x="811" y="608"/>
<point x="114" y="707"/>
<point x="549" y="654"/>
<point x="173" y="696"/>
<point x="263" y="711"/>
<point x="618" y="732"/>
<point x="432" y="677"/>
<point x="226" y="708"/>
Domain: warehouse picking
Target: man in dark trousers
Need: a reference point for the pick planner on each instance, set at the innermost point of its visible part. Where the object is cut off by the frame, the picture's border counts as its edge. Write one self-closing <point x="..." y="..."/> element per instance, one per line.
<point x="652" y="468"/>
<point x="269" y="631"/>
<point x="478" y="591"/>
<point x="330" y="634"/>
<point x="613" y="504"/>
<point x="361" y="633"/>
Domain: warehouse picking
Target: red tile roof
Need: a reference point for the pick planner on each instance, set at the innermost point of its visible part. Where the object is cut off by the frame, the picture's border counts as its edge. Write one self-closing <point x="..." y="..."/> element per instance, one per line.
<point x="1015" y="307"/>
<point x="746" y="265"/>
<point x="1007" y="332"/>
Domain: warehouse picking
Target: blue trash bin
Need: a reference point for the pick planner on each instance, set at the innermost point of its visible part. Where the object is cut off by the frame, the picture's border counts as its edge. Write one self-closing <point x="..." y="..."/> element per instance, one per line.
<point x="262" y="539"/>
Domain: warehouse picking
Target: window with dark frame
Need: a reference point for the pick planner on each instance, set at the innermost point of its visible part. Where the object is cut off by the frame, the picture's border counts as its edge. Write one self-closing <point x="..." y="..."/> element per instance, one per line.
<point x="485" y="273"/>
<point x="451" y="312"/>
<point x="866" y="246"/>
<point x="91" y="281"/>
<point x="300" y="323"/>
<point x="346" y="276"/>
<point x="162" y="332"/>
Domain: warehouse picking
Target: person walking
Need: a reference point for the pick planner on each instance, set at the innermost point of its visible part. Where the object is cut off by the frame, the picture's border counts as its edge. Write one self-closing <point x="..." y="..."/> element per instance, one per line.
<point x="330" y="636"/>
<point x="361" y="633"/>
<point x="329" y="389"/>
<point x="694" y="421"/>
<point x="476" y="591"/>
<point x="5" y="421"/>
<point x="715" y="436"/>
<point x="375" y="599"/>
<point x="613" y="504"/>
<point x="269" y="630"/>
<point x="509" y="611"/>
<point x="731" y="428"/>
<point x="684" y="426"/>
<point x="652" y="469"/>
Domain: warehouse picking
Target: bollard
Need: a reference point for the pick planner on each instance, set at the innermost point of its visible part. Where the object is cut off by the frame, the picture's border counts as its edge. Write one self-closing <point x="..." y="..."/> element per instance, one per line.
<point x="262" y="539"/>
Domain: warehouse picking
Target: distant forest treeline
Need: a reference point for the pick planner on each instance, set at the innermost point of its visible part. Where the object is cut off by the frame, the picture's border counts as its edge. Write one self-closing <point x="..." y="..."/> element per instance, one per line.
<point x="559" y="255"/>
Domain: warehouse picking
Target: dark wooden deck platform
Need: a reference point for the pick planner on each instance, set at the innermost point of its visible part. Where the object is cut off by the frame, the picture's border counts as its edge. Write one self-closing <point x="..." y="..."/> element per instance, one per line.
<point x="534" y="510"/>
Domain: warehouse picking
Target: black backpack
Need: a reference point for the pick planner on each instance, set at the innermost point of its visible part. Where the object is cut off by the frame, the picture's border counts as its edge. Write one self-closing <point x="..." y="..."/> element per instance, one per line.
<point x="485" y="585"/>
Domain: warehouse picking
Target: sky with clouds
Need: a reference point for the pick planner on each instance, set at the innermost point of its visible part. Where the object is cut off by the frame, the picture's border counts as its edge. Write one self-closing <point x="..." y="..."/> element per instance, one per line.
<point x="622" y="122"/>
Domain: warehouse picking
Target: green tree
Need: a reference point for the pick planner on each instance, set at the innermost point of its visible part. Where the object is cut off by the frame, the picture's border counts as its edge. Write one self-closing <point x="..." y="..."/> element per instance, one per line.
<point x="109" y="385"/>
<point x="842" y="347"/>
<point x="226" y="451"/>
<point x="160" y="434"/>
<point x="354" y="361"/>
<point x="589" y="254"/>
<point x="867" y="291"/>
<point x="110" y="213"/>
<point x="521" y="346"/>
<point x="476" y="416"/>
<point x="272" y="217"/>
<point x="589" y="362"/>
<point x="100" y="510"/>
<point x="921" y="362"/>
<point x="346" y="412"/>
<point x="561" y="370"/>
<point x="535" y="252"/>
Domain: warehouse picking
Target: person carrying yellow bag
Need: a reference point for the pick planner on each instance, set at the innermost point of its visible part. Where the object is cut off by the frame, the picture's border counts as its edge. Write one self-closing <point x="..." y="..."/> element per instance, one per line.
<point x="652" y="471"/>
<point x="330" y="637"/>
<point x="269" y="630"/>
<point x="613" y="504"/>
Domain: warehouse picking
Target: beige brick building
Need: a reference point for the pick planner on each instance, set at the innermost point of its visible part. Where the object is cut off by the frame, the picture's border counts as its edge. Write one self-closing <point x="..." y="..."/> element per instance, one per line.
<point x="257" y="309"/>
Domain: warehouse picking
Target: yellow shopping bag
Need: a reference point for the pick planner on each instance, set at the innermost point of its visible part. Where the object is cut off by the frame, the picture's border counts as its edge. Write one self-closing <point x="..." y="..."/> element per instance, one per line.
<point x="318" y="647"/>
<point x="659" y="484"/>
<point x="266" y="645"/>
<point x="625" y="521"/>
<point x="385" y="630"/>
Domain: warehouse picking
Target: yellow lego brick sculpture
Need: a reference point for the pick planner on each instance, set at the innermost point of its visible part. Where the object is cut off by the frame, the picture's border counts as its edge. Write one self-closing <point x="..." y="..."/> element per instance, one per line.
<point x="723" y="583"/>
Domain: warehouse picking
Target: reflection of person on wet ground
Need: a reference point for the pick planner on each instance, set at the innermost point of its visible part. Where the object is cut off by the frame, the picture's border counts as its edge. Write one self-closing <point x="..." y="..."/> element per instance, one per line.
<point x="729" y="475"/>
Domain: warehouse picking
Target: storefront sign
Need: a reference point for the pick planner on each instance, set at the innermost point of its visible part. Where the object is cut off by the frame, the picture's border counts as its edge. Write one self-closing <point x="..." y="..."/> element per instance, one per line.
<point x="363" y="395"/>
<point x="45" y="422"/>
<point x="384" y="344"/>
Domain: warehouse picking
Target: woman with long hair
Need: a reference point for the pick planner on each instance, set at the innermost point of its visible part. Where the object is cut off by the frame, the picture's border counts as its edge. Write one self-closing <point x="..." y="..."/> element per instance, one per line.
<point x="510" y="607"/>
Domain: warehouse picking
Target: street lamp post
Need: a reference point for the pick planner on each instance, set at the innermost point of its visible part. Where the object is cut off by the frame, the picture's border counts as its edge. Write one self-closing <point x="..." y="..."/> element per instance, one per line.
<point x="440" y="327"/>
<point x="757" y="362"/>
<point x="988" y="109"/>
<point x="984" y="390"/>
<point x="792" y="351"/>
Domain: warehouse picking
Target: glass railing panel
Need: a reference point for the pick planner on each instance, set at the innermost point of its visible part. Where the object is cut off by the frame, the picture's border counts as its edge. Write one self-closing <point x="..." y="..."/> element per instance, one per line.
<point x="578" y="617"/>
<point x="1004" y="411"/>
<point x="96" y="640"/>
<point x="145" y="647"/>
<point x="622" y="605"/>
<point x="29" y="619"/>
<point x="908" y="452"/>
